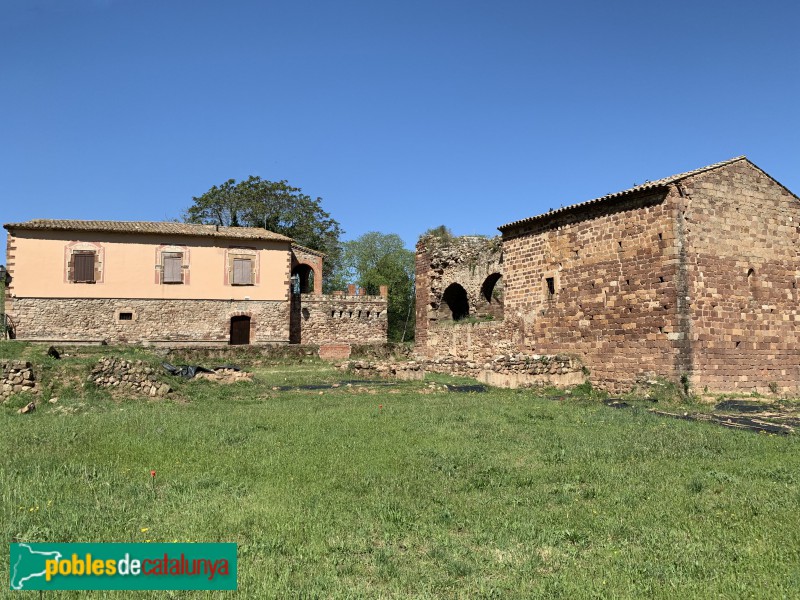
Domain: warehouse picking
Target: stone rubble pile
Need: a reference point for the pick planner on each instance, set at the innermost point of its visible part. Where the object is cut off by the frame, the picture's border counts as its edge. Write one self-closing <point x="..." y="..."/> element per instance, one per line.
<point x="399" y="370"/>
<point x="17" y="376"/>
<point x="133" y="377"/>
<point x="223" y="375"/>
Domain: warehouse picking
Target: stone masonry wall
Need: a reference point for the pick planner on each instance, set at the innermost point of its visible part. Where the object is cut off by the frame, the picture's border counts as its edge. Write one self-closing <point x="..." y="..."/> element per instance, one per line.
<point x="324" y="319"/>
<point x="467" y="261"/>
<point x="505" y="370"/>
<point x="743" y="235"/>
<point x="172" y="322"/>
<point x="476" y="342"/>
<point x="601" y="284"/>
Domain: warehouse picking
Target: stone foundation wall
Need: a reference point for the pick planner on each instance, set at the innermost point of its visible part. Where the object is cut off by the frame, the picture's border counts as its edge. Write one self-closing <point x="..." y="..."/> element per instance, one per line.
<point x="478" y="342"/>
<point x="325" y="319"/>
<point x="172" y="322"/>
<point x="509" y="371"/>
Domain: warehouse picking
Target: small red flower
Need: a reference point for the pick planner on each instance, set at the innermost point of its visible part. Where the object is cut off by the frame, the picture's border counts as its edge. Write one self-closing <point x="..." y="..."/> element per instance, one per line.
<point x="380" y="406"/>
<point x="152" y="473"/>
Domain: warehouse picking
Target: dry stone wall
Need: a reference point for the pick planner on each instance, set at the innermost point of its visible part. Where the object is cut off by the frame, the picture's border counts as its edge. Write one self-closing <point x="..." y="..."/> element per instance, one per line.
<point x="17" y="377"/>
<point x="172" y="322"/>
<point x="135" y="378"/>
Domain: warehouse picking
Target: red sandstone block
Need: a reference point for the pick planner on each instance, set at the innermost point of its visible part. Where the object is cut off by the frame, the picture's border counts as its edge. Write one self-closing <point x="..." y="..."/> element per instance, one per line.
<point x="334" y="351"/>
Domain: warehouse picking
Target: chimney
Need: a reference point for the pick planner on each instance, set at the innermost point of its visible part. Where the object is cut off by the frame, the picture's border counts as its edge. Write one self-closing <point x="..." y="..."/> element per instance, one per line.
<point x="351" y="289"/>
<point x="384" y="291"/>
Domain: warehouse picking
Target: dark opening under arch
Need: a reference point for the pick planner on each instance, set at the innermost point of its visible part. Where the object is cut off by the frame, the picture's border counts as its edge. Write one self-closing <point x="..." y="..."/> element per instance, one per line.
<point x="455" y="297"/>
<point x="302" y="279"/>
<point x="490" y="290"/>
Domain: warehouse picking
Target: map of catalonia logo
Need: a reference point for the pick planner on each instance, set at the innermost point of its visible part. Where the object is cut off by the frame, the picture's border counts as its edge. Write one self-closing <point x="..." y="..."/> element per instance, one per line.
<point x="86" y="566"/>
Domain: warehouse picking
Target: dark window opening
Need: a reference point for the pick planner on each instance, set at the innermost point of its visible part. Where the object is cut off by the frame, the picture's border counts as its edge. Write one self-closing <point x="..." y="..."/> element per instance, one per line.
<point x="551" y="285"/>
<point x="660" y="237"/>
<point x="660" y="330"/>
<point x="455" y="298"/>
<point x="83" y="267"/>
<point x="737" y="344"/>
<point x="660" y="280"/>
<point x="620" y="244"/>
<point x="125" y="316"/>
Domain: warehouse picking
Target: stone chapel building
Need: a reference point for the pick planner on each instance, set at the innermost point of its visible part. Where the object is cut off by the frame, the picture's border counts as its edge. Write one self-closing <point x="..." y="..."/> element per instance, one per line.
<point x="691" y="277"/>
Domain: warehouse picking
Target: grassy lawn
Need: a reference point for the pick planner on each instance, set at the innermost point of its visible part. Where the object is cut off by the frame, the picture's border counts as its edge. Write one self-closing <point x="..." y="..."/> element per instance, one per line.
<point x="399" y="490"/>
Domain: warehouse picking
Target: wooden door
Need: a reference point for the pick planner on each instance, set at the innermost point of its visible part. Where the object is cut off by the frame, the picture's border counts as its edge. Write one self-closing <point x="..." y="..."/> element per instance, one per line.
<point x="240" y="331"/>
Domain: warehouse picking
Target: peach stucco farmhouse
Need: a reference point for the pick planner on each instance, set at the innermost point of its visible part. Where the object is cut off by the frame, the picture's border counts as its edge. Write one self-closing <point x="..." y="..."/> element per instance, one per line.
<point x="175" y="284"/>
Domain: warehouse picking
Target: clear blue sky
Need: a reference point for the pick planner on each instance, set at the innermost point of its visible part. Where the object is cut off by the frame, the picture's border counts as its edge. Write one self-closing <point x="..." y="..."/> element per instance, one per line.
<point x="401" y="115"/>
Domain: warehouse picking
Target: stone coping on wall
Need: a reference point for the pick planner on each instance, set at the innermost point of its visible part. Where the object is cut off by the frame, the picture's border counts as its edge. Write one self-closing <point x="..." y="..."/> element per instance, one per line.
<point x="340" y="298"/>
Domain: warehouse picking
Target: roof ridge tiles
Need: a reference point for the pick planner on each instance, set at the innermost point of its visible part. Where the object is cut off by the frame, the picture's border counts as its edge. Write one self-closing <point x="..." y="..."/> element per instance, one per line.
<point x="154" y="227"/>
<point x="648" y="185"/>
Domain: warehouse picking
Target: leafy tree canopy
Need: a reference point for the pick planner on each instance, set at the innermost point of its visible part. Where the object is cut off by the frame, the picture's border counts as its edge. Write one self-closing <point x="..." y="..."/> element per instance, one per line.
<point x="377" y="259"/>
<point x="275" y="206"/>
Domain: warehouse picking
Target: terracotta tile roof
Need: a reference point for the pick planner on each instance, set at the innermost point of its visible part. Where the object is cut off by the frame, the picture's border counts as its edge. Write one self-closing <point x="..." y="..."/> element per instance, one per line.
<point x="153" y="227"/>
<point x="308" y="250"/>
<point x="648" y="185"/>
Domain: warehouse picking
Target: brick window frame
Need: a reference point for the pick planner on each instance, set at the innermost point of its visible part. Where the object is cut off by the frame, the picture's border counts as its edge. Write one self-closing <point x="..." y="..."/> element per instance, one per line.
<point x="75" y="249"/>
<point x="165" y="253"/>
<point x="234" y="257"/>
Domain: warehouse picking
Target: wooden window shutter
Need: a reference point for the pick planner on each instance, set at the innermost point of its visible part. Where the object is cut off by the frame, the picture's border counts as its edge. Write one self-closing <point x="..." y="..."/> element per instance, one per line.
<point x="83" y="267"/>
<point x="172" y="269"/>
<point x="242" y="271"/>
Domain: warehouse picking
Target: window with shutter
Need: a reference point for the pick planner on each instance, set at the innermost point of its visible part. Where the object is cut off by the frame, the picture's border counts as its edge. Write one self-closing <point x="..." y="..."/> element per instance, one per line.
<point x="242" y="271"/>
<point x="172" y="268"/>
<point x="83" y="267"/>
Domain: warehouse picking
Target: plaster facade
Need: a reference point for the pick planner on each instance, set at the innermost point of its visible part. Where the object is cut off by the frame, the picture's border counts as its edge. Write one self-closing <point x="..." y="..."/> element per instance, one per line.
<point x="167" y="283"/>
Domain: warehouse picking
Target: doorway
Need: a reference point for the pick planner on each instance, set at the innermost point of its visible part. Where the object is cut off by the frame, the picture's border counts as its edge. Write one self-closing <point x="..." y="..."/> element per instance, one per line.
<point x="240" y="331"/>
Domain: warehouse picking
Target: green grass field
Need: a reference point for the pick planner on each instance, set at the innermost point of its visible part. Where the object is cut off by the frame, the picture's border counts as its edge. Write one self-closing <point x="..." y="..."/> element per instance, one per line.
<point x="390" y="489"/>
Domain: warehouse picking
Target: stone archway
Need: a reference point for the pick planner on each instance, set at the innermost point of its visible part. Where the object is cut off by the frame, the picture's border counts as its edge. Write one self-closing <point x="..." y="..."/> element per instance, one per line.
<point x="490" y="302"/>
<point x="303" y="279"/>
<point x="456" y="301"/>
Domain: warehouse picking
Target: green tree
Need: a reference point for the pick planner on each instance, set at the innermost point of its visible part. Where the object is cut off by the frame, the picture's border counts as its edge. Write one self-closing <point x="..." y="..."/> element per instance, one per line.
<point x="275" y="206"/>
<point x="375" y="259"/>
